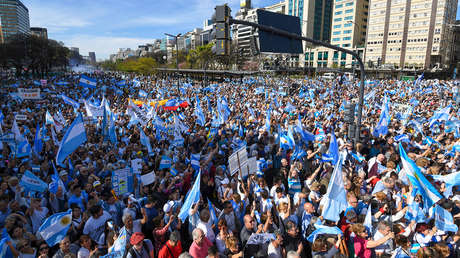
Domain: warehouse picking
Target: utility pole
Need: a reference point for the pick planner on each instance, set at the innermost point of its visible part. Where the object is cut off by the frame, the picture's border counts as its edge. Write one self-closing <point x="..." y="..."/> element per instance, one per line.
<point x="177" y="58"/>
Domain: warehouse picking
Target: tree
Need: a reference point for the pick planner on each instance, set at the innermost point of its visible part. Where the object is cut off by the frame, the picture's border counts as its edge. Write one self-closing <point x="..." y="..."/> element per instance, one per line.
<point x="31" y="53"/>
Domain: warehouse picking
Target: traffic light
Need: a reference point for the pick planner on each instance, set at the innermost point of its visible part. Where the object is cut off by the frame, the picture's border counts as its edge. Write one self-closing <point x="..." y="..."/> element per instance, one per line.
<point x="221" y="30"/>
<point x="379" y="62"/>
<point x="350" y="113"/>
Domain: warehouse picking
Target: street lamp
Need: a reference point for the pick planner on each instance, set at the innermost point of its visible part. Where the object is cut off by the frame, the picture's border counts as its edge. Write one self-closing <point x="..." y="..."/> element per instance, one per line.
<point x="177" y="57"/>
<point x="352" y="62"/>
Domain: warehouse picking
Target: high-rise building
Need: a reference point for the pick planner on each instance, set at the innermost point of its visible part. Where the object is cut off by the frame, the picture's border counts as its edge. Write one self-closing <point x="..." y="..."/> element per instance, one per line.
<point x="411" y="33"/>
<point x="349" y="25"/>
<point x="14" y="17"/>
<point x="315" y="17"/>
<point x="92" y="57"/>
<point x="39" y="32"/>
<point x="75" y="49"/>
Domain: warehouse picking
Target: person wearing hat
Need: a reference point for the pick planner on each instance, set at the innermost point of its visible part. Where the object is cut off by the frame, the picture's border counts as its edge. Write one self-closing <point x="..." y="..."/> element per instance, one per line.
<point x="141" y="247"/>
<point x="173" y="247"/>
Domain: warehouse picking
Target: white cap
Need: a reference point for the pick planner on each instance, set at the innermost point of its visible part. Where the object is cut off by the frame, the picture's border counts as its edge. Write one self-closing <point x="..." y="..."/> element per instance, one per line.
<point x="168" y="206"/>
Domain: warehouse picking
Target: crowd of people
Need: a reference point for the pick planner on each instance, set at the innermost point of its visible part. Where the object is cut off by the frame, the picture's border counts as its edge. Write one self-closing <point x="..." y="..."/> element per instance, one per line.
<point x="316" y="191"/>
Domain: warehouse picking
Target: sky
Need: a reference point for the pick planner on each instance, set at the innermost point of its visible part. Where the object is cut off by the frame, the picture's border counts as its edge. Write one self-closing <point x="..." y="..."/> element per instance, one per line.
<point x="104" y="26"/>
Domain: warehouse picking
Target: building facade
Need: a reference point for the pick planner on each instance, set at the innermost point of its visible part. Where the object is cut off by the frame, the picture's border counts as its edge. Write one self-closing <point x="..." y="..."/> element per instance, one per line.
<point x="349" y="28"/>
<point x="92" y="57"/>
<point x="14" y="18"/>
<point x="411" y="33"/>
<point x="39" y="32"/>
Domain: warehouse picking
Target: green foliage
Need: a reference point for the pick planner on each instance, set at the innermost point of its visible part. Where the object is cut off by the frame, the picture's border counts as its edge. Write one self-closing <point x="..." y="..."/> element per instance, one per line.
<point x="35" y="54"/>
<point x="143" y="65"/>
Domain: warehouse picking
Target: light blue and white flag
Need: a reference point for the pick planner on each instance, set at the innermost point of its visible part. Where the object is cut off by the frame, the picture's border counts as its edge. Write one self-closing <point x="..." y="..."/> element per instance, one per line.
<point x="70" y="101"/>
<point x="119" y="246"/>
<point x="368" y="220"/>
<point x="384" y="121"/>
<point x="73" y="138"/>
<point x="192" y="197"/>
<point x="87" y="82"/>
<point x="429" y="194"/>
<point x="33" y="183"/>
<point x="335" y="200"/>
<point x="195" y="161"/>
<point x="444" y="220"/>
<point x="5" y="251"/>
<point x="165" y="162"/>
<point x="145" y="141"/>
<point x="321" y="230"/>
<point x="49" y="118"/>
<point x="212" y="211"/>
<point x="332" y="154"/>
<point x="38" y="141"/>
<point x="55" y="227"/>
<point x="440" y="115"/>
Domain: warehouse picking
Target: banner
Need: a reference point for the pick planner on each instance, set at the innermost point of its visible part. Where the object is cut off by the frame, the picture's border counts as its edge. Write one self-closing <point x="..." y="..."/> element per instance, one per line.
<point x="122" y="181"/>
<point x="20" y="117"/>
<point x="43" y="82"/>
<point x="33" y="93"/>
<point x="137" y="113"/>
<point x="94" y="111"/>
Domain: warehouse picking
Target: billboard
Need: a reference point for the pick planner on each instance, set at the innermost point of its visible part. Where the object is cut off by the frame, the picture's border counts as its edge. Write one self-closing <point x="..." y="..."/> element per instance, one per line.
<point x="273" y="43"/>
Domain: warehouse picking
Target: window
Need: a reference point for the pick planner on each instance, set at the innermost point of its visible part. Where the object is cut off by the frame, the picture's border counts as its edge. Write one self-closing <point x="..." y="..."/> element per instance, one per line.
<point x="349" y="4"/>
<point x="348" y="24"/>
<point x="346" y="38"/>
<point x="336" y="33"/>
<point x="326" y="55"/>
<point x="320" y="55"/>
<point x="338" y="13"/>
<point x="346" y="45"/>
<point x="338" y="26"/>
<point x="346" y="31"/>
<point x="348" y="18"/>
<point x="349" y="11"/>
<point x="338" y="6"/>
<point x="336" y="55"/>
<point x="337" y="19"/>
<point x="336" y="39"/>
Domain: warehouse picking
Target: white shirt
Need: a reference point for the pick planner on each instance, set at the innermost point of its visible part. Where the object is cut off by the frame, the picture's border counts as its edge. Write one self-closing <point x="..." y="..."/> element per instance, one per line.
<point x="95" y="227"/>
<point x="385" y="247"/>
<point x="273" y="252"/>
<point x="38" y="217"/>
<point x="83" y="253"/>
<point x="207" y="230"/>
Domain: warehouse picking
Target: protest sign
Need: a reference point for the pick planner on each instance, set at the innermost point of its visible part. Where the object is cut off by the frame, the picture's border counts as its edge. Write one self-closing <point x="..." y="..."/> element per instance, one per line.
<point x="33" y="93"/>
<point x="21" y="117"/>
<point x="136" y="164"/>
<point x="148" y="178"/>
<point x="122" y="181"/>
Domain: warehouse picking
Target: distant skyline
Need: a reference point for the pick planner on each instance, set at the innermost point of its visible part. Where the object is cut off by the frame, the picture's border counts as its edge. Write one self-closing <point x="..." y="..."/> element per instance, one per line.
<point x="105" y="26"/>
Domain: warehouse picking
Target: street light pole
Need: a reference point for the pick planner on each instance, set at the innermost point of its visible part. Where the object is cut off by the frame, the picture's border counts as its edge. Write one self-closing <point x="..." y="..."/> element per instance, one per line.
<point x="177" y="57"/>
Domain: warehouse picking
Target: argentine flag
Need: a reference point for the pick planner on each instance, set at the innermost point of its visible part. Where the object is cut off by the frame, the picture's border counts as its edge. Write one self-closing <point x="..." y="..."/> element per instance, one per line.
<point x="335" y="200"/>
<point x="32" y="182"/>
<point x="425" y="188"/>
<point x="119" y="246"/>
<point x="192" y="197"/>
<point x="55" y="227"/>
<point x="87" y="82"/>
<point x="73" y="138"/>
<point x="165" y="162"/>
<point x="195" y="161"/>
<point x="70" y="101"/>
